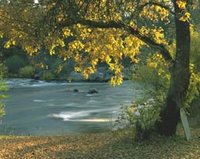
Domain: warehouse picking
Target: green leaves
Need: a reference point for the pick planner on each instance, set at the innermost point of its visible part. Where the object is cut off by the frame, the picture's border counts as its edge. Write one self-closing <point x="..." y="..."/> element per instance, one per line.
<point x="142" y="115"/>
<point x="3" y="88"/>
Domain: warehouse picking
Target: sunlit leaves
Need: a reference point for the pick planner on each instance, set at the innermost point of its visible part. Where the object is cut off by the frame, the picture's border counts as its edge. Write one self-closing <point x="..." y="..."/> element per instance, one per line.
<point x="155" y="13"/>
<point x="31" y="49"/>
<point x="57" y="26"/>
<point x="193" y="90"/>
<point x="186" y="16"/>
<point x="158" y="63"/>
<point x="9" y="43"/>
<point x="181" y="4"/>
<point x="66" y="32"/>
<point x="194" y="87"/>
<point x="92" y="46"/>
<point x="1" y="35"/>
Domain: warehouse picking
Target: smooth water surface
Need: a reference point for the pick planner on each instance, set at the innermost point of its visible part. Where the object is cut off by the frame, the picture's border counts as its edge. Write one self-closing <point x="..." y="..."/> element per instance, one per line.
<point x="53" y="108"/>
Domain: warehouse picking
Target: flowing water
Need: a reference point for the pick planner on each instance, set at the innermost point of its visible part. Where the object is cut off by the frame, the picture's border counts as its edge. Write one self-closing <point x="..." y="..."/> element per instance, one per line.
<point x="53" y="108"/>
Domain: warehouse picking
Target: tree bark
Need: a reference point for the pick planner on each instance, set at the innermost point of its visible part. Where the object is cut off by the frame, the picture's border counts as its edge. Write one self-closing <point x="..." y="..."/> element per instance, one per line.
<point x="180" y="75"/>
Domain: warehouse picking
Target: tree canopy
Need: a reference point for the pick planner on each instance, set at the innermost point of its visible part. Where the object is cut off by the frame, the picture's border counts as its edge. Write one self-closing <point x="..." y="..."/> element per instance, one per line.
<point x="91" y="32"/>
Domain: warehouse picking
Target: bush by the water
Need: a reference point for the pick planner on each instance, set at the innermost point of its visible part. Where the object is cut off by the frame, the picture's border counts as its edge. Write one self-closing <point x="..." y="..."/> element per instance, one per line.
<point x="48" y="76"/>
<point x="27" y="72"/>
<point x="155" y="76"/>
<point x="140" y="115"/>
<point x="3" y="88"/>
<point x="143" y="114"/>
<point x="14" y="63"/>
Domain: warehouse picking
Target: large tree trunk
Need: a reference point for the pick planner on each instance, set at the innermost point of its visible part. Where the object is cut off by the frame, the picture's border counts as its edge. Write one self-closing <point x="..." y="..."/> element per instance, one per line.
<point x="180" y="76"/>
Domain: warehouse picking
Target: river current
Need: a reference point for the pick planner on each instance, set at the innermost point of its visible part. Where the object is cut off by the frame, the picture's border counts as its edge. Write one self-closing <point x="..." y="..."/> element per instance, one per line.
<point x="54" y="108"/>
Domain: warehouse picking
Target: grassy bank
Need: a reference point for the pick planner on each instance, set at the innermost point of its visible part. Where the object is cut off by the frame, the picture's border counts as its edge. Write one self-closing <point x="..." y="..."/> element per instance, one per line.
<point x="99" y="146"/>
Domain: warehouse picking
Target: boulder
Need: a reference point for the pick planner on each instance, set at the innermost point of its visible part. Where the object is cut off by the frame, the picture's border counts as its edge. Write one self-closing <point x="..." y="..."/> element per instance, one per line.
<point x="36" y="77"/>
<point x="93" y="91"/>
<point x="75" y="90"/>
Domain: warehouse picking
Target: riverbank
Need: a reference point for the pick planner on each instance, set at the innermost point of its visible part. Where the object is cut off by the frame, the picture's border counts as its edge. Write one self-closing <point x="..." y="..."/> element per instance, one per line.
<point x="99" y="146"/>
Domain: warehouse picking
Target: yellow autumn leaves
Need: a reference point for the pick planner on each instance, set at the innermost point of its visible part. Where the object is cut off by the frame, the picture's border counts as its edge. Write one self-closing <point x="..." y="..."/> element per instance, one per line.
<point x="181" y="4"/>
<point x="10" y="43"/>
<point x="66" y="32"/>
<point x="155" y="13"/>
<point x="90" y="46"/>
<point x="186" y="16"/>
<point x="158" y="63"/>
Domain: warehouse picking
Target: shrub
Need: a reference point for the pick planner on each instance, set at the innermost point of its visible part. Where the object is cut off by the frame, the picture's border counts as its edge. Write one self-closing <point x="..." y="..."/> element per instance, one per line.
<point x="195" y="51"/>
<point x="47" y="76"/>
<point x="142" y="116"/>
<point x="14" y="63"/>
<point x="3" y="88"/>
<point x="2" y="105"/>
<point x="27" y="72"/>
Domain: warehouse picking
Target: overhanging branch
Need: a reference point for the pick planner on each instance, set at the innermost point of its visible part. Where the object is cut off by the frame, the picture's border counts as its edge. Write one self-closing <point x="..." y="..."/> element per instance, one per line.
<point x="118" y="25"/>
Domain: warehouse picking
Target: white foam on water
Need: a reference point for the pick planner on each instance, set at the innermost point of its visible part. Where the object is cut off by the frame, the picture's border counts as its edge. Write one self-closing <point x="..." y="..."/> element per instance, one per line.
<point x="89" y="95"/>
<point x="17" y="83"/>
<point x="38" y="101"/>
<point x="96" y="120"/>
<point x="91" y="101"/>
<point x="75" y="116"/>
<point x="66" y="116"/>
<point x="70" y="104"/>
<point x="51" y="105"/>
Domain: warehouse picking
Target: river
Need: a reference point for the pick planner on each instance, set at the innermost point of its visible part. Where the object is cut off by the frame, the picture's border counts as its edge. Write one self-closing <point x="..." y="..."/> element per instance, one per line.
<point x="53" y="108"/>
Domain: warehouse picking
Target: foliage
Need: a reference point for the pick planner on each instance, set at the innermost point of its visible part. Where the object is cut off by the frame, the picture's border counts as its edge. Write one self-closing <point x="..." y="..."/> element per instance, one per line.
<point x="194" y="109"/>
<point x="27" y="72"/>
<point x="142" y="115"/>
<point x="195" y="51"/>
<point x="62" y="68"/>
<point x="14" y="63"/>
<point x="194" y="87"/>
<point x="47" y="76"/>
<point x="89" y="32"/>
<point x="86" y="32"/>
<point x="3" y="88"/>
<point x="3" y="70"/>
<point x="154" y="73"/>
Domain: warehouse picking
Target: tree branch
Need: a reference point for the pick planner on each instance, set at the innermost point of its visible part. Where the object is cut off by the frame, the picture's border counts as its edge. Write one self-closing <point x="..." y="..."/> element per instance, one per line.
<point x="118" y="25"/>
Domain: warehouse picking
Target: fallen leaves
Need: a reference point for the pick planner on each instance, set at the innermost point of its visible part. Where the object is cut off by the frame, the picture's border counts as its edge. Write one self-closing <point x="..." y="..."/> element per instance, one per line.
<point x="98" y="146"/>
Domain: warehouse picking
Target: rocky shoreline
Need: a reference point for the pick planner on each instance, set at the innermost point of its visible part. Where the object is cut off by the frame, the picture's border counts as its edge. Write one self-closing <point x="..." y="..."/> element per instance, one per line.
<point x="102" y="75"/>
